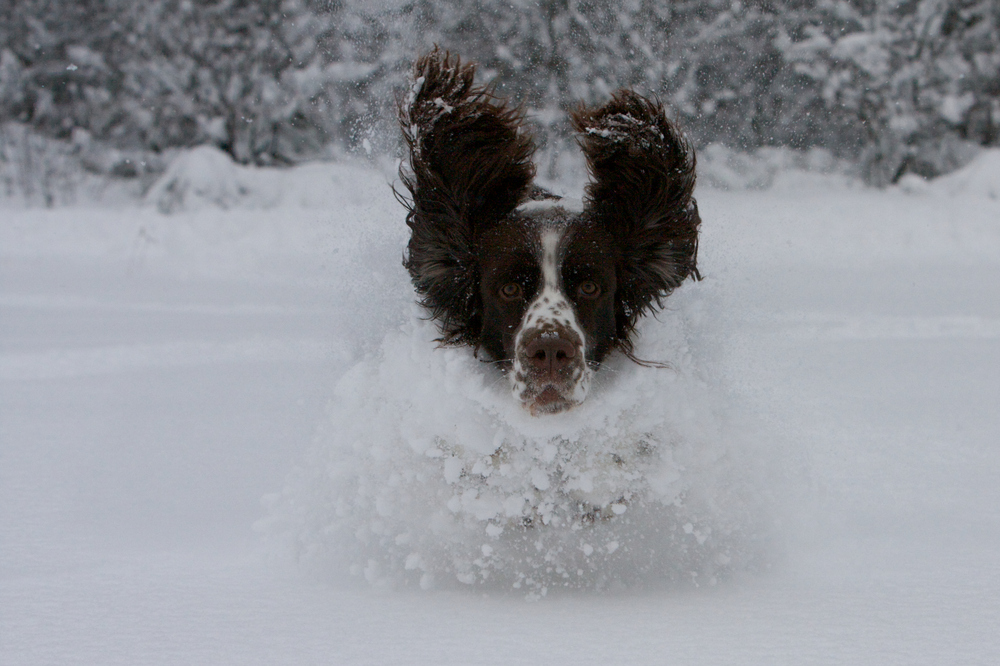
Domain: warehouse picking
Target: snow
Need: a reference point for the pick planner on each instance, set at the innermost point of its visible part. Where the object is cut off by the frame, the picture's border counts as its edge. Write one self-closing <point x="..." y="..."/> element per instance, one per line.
<point x="403" y="489"/>
<point x="820" y="463"/>
<point x="977" y="179"/>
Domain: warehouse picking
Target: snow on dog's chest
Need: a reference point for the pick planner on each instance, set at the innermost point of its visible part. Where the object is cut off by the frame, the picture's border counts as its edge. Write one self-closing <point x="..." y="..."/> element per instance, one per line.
<point x="427" y="471"/>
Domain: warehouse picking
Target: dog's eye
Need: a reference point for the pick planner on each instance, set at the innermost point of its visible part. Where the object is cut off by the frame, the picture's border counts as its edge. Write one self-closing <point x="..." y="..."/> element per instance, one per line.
<point x="589" y="289"/>
<point x="510" y="291"/>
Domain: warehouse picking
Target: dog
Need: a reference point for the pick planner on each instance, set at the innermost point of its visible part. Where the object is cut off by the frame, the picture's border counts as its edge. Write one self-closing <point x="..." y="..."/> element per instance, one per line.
<point x="542" y="287"/>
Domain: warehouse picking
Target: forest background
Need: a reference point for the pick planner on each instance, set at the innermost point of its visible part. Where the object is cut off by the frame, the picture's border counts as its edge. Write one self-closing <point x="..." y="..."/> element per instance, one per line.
<point x="113" y="87"/>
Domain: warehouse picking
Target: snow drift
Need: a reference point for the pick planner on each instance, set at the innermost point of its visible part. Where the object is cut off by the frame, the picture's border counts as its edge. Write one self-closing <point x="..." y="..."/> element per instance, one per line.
<point x="148" y="402"/>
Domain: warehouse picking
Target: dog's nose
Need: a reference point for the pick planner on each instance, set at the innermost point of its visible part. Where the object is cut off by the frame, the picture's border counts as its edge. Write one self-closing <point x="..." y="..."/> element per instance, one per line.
<point x="550" y="353"/>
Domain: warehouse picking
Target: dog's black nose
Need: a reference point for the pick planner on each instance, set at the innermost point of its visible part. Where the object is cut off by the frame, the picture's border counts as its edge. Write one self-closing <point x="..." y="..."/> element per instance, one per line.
<point x="550" y="353"/>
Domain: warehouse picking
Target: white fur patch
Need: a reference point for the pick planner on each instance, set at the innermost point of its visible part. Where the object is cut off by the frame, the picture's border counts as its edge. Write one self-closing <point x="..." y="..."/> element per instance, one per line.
<point x="549" y="312"/>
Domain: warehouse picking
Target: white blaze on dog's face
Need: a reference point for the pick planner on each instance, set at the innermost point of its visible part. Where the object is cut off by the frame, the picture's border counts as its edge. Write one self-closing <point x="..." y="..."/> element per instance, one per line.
<point x="550" y="371"/>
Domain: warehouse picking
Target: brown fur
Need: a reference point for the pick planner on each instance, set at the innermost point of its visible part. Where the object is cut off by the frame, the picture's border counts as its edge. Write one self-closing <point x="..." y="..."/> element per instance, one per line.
<point x="470" y="165"/>
<point x="643" y="175"/>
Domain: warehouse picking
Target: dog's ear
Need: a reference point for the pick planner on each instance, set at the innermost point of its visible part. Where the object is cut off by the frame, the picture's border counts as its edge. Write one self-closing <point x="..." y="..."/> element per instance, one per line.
<point x="470" y="165"/>
<point x="643" y="177"/>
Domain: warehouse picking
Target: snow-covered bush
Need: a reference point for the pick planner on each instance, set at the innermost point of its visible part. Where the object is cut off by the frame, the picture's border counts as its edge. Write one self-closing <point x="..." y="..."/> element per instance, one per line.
<point x="198" y="177"/>
<point x="37" y="170"/>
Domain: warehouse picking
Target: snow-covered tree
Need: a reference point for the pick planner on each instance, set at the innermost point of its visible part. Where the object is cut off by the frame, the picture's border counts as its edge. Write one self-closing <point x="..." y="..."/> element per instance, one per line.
<point x="915" y="77"/>
<point x="900" y="85"/>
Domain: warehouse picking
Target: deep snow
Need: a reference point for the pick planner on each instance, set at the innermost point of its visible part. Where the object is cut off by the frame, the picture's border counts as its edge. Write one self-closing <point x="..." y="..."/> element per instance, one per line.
<point x="831" y="413"/>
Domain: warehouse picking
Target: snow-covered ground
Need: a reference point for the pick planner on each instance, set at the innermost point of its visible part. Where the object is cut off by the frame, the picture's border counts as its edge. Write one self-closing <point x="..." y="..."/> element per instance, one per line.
<point x="175" y="390"/>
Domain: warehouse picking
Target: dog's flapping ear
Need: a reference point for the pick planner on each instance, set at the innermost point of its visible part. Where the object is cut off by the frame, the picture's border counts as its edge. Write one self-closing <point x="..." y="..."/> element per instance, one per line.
<point x="470" y="166"/>
<point x="643" y="177"/>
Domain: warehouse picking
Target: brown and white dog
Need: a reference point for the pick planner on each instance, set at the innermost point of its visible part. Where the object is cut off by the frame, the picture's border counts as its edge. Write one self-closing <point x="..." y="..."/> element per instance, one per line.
<point x="511" y="269"/>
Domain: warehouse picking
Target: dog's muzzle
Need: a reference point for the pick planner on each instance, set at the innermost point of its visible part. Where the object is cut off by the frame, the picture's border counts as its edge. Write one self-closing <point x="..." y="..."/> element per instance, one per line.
<point x="550" y="372"/>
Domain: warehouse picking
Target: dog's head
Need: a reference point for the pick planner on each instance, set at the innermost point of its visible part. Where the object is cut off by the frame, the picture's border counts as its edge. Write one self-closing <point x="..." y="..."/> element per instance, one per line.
<point x="542" y="286"/>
